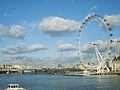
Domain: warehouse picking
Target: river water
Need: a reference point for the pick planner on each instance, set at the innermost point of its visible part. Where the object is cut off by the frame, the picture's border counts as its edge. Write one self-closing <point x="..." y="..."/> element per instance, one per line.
<point x="60" y="82"/>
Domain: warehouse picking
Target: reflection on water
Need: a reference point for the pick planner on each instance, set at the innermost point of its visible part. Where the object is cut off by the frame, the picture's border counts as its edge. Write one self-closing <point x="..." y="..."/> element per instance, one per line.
<point x="59" y="82"/>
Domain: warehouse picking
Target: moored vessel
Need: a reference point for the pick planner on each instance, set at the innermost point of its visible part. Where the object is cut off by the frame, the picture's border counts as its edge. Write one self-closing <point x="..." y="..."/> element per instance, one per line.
<point x="14" y="87"/>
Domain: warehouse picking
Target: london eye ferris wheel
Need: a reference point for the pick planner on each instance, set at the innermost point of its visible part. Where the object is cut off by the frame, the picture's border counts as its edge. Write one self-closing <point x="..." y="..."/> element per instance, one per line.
<point x="107" y="28"/>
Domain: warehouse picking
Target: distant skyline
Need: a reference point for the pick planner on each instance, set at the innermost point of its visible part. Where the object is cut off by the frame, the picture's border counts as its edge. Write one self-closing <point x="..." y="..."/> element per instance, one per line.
<point x="44" y="32"/>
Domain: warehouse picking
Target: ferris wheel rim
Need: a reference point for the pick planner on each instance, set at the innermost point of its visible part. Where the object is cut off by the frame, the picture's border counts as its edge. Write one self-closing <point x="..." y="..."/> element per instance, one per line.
<point x="84" y="24"/>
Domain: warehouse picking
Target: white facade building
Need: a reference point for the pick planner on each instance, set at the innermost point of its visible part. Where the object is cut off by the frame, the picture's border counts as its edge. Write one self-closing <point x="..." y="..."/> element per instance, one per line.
<point x="114" y="64"/>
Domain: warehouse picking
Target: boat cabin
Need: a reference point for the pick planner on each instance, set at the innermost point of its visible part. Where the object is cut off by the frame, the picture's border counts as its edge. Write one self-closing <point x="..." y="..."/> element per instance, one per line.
<point x="13" y="86"/>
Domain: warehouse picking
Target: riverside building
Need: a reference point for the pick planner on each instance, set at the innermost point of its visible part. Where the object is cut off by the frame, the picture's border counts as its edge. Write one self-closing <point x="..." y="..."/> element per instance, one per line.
<point x="114" y="64"/>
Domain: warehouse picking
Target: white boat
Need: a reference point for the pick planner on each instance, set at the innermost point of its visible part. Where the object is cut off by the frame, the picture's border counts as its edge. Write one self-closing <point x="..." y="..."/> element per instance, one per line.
<point x="14" y="87"/>
<point x="84" y="73"/>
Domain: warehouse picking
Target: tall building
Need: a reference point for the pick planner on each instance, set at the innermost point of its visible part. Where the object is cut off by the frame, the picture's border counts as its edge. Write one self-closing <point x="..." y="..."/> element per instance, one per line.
<point x="114" y="64"/>
<point x="118" y="49"/>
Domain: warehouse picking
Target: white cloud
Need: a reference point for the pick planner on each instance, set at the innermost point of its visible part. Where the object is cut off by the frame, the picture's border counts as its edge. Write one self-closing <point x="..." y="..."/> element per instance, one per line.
<point x="36" y="47"/>
<point x="19" y="49"/>
<point x="2" y="27"/>
<point x="56" y="26"/>
<point x="17" y="57"/>
<point x="3" y="31"/>
<point x="15" y="31"/>
<point x="89" y="48"/>
<point x="70" y="59"/>
<point x="114" y="20"/>
<point x="62" y="46"/>
<point x="13" y="49"/>
<point x="33" y="25"/>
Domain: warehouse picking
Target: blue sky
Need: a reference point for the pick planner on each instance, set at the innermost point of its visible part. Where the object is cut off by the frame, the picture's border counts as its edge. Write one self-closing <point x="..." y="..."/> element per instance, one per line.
<point x="44" y="32"/>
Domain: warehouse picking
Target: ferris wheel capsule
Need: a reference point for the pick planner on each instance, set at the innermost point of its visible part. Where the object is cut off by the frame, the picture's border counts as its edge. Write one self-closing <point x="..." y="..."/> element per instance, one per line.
<point x="109" y="29"/>
<point x="93" y="43"/>
<point x="105" y="20"/>
<point x="107" y="24"/>
<point x="111" y="34"/>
